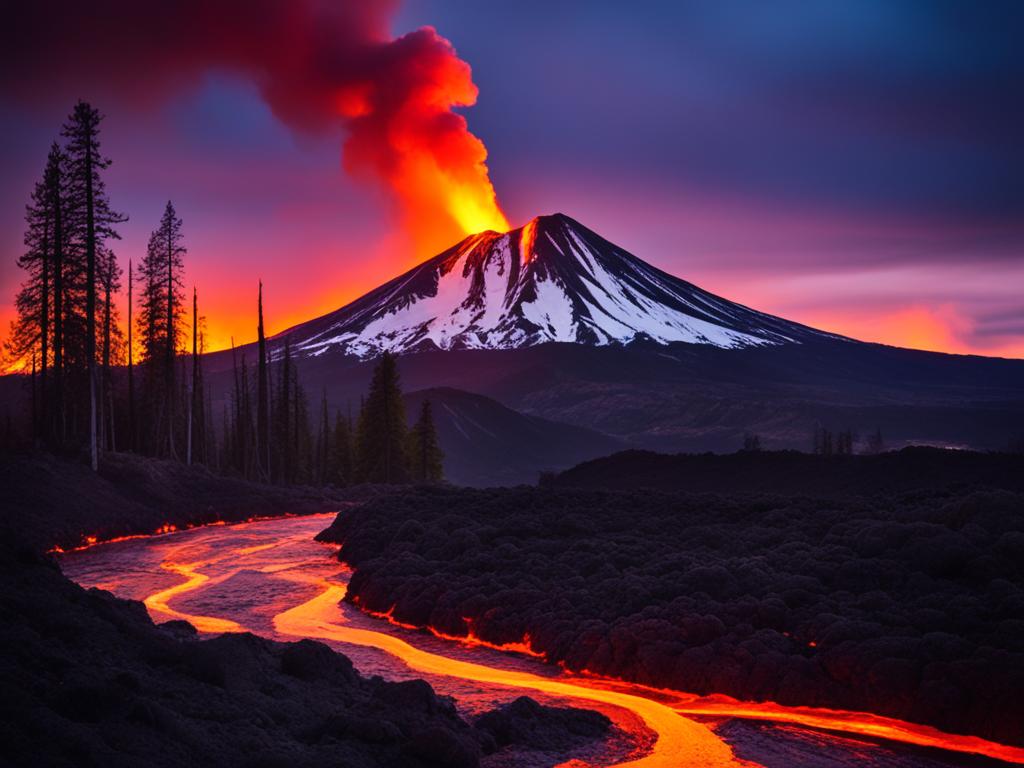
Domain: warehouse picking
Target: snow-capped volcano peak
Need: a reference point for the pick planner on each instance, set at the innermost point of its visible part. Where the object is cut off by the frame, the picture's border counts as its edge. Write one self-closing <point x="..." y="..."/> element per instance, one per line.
<point x="551" y="280"/>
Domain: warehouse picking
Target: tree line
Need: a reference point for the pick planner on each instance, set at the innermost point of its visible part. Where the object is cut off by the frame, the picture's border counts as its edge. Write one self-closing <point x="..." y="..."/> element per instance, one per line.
<point x="825" y="442"/>
<point x="97" y="386"/>
<point x="67" y="329"/>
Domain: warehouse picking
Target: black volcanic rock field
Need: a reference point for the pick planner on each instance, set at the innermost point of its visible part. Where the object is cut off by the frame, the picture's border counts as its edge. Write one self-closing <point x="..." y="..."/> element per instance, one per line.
<point x="87" y="679"/>
<point x="908" y="605"/>
<point x="57" y="502"/>
<point x="795" y="473"/>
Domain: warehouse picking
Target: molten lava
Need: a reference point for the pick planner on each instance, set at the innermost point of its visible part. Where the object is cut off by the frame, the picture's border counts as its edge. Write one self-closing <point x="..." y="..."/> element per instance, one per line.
<point x="468" y="639"/>
<point x="310" y="608"/>
<point x="157" y="602"/>
<point x="526" y="241"/>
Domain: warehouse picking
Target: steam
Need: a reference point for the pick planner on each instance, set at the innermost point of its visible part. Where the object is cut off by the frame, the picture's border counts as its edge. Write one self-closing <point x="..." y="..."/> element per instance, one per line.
<point x="321" y="66"/>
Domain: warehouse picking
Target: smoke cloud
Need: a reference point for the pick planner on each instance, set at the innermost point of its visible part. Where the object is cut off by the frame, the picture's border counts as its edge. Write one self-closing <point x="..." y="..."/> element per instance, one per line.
<point x="320" y="66"/>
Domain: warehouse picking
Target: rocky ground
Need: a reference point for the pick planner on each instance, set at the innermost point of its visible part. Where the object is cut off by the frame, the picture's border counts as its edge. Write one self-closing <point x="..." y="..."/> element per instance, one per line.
<point x="57" y="502"/>
<point x="89" y="680"/>
<point x="909" y="605"/>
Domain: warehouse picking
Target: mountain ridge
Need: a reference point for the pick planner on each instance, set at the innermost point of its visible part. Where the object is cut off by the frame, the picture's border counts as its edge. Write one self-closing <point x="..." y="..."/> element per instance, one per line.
<point x="551" y="280"/>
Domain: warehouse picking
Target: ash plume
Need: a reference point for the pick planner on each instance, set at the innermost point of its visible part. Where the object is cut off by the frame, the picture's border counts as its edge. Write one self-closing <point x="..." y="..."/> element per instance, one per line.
<point x="321" y="67"/>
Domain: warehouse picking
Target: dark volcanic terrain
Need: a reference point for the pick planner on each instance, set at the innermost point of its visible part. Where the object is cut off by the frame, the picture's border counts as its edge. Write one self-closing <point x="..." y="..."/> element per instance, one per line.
<point x="794" y="473"/>
<point x="904" y="604"/>
<point x="89" y="680"/>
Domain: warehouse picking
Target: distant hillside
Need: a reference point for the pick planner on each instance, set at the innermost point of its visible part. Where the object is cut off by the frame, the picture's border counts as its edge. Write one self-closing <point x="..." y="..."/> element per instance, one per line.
<point x="487" y="444"/>
<point x="793" y="473"/>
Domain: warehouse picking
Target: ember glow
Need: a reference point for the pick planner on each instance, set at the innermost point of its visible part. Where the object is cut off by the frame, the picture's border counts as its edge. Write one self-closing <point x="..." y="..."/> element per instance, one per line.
<point x="470" y="638"/>
<point x="297" y="594"/>
<point x="526" y="241"/>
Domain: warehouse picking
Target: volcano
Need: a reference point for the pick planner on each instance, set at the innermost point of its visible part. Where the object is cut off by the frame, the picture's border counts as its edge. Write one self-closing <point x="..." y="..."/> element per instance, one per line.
<point x="552" y="280"/>
<point x="553" y="345"/>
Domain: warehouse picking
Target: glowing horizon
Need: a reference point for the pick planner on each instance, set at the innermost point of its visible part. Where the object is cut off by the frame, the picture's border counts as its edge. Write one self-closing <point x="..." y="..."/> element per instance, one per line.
<point x="877" y="207"/>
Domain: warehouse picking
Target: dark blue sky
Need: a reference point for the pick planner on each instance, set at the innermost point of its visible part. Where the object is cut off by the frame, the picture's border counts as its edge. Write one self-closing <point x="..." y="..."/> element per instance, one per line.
<point x="855" y="165"/>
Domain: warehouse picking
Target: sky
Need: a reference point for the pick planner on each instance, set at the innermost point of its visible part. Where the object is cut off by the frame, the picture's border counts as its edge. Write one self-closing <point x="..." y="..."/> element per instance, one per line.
<point x="856" y="166"/>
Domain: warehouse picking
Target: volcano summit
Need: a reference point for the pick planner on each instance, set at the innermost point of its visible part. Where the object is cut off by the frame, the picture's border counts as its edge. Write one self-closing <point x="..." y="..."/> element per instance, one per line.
<point x="551" y="321"/>
<point x="552" y="280"/>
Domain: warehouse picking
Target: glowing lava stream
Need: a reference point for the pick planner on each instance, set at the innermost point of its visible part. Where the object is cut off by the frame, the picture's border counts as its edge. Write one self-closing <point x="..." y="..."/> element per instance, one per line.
<point x="157" y="602"/>
<point x="680" y="740"/>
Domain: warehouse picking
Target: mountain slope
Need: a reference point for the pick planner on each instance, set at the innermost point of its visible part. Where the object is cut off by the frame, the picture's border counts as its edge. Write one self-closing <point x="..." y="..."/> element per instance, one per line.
<point x="487" y="444"/>
<point x="657" y="362"/>
<point x="552" y="280"/>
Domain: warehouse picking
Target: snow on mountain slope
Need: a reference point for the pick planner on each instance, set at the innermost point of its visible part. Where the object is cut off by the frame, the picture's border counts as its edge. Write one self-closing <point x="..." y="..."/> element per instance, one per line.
<point x="551" y="280"/>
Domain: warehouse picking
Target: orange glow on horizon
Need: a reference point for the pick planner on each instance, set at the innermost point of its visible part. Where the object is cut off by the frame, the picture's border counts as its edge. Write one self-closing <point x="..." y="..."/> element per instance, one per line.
<point x="933" y="329"/>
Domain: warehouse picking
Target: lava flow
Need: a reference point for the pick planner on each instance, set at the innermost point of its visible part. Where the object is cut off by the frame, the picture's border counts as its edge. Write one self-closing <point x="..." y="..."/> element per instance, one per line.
<point x="470" y="638"/>
<point x="272" y="578"/>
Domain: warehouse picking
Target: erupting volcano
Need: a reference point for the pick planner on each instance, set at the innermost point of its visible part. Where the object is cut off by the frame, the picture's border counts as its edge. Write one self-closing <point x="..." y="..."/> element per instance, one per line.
<point x="552" y="280"/>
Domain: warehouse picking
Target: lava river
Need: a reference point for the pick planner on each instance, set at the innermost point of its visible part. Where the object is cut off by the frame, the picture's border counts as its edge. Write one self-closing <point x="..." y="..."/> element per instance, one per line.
<point x="271" y="578"/>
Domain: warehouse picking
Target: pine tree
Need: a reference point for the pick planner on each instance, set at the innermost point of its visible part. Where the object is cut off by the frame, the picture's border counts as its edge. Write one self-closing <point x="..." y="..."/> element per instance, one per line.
<point x="876" y="443"/>
<point x="95" y="222"/>
<point x="30" y="332"/>
<point x="303" y="446"/>
<point x="55" y="190"/>
<point x="131" y="371"/>
<point x="227" y="450"/>
<point x="172" y="253"/>
<point x="262" y="395"/>
<point x="381" y="434"/>
<point x="293" y="455"/>
<point x="210" y="452"/>
<point x="283" y="412"/>
<point x="425" y="455"/>
<point x="323" y="443"/>
<point x="194" y="388"/>
<point x="844" y="442"/>
<point x="341" y="459"/>
<point x="241" y="427"/>
<point x="112" y="343"/>
<point x="161" y="325"/>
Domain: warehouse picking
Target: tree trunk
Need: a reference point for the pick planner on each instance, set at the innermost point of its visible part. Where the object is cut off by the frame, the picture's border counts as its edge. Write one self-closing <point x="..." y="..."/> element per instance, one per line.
<point x="262" y="420"/>
<point x="105" y="378"/>
<point x="131" y="373"/>
<point x="169" y="363"/>
<point x="90" y="300"/>
<point x="43" y="426"/>
<point x="58" y="314"/>
<point x="34" y="413"/>
<point x="195" y="372"/>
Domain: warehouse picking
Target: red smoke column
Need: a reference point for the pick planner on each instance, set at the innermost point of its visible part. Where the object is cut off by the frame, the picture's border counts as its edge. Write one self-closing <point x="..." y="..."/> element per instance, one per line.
<point x="321" y="66"/>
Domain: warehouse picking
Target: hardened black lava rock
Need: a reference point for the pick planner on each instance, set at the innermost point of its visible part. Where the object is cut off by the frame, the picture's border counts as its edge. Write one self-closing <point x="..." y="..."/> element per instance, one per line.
<point x="909" y="605"/>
